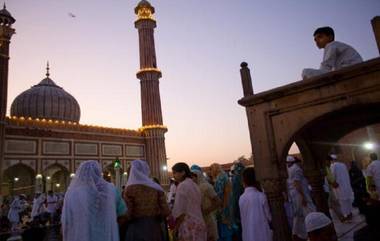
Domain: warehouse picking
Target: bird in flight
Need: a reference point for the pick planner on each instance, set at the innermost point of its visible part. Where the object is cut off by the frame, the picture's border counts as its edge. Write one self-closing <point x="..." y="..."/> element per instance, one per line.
<point x="72" y="15"/>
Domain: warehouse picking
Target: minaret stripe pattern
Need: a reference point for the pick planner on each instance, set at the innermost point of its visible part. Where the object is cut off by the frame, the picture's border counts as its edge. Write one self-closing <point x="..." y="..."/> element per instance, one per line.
<point x="149" y="75"/>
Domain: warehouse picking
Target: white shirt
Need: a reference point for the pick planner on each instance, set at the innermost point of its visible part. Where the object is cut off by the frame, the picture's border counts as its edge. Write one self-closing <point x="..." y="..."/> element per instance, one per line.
<point x="255" y="215"/>
<point x="336" y="56"/>
<point x="14" y="210"/>
<point x="373" y="170"/>
<point x="38" y="206"/>
<point x="51" y="203"/>
<point x="340" y="172"/>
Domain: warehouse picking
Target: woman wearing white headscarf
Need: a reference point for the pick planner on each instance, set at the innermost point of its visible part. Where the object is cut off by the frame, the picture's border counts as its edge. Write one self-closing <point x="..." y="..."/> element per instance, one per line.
<point x="90" y="206"/>
<point x="147" y="206"/>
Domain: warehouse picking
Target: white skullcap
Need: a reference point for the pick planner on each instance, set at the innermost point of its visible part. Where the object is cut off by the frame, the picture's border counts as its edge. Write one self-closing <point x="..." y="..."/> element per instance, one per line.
<point x="290" y="159"/>
<point x="333" y="156"/>
<point x="316" y="220"/>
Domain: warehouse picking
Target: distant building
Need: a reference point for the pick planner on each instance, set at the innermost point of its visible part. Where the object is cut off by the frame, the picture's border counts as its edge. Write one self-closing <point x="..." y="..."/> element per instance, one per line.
<point x="44" y="142"/>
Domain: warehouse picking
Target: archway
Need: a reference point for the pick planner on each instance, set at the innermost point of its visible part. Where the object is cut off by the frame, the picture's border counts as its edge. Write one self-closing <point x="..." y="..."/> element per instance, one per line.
<point x="19" y="179"/>
<point x="56" y="178"/>
<point x="321" y="136"/>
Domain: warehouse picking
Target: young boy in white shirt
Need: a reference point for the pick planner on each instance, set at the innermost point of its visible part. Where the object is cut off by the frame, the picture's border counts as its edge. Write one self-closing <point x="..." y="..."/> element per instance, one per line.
<point x="336" y="55"/>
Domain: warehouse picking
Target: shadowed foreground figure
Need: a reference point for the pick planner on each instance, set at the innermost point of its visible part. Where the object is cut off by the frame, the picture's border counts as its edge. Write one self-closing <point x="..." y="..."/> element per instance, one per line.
<point x="147" y="206"/>
<point x="319" y="227"/>
<point x="91" y="206"/>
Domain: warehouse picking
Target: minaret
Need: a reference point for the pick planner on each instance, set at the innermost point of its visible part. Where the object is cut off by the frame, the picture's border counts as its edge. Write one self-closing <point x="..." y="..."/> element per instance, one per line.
<point x="6" y="32"/>
<point x="149" y="74"/>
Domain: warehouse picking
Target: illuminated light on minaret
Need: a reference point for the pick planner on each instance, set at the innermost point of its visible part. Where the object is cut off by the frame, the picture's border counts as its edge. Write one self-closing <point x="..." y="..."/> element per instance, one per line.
<point x="149" y="75"/>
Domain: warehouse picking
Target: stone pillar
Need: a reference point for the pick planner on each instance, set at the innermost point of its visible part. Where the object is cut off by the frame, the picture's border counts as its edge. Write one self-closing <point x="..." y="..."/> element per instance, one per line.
<point x="48" y="184"/>
<point x="118" y="178"/>
<point x="273" y="189"/>
<point x="39" y="183"/>
<point x="376" y="30"/>
<point x="149" y="75"/>
<point x="124" y="179"/>
<point x="269" y="170"/>
<point x="6" y="32"/>
<point x="316" y="180"/>
<point x="246" y="80"/>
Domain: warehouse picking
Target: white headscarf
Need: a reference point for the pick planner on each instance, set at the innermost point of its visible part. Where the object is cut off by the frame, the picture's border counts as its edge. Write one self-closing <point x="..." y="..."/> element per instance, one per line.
<point x="139" y="174"/>
<point x="89" y="208"/>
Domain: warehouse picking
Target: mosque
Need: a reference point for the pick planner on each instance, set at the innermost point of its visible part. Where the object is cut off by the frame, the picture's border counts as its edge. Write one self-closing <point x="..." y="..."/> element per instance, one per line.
<point x="42" y="142"/>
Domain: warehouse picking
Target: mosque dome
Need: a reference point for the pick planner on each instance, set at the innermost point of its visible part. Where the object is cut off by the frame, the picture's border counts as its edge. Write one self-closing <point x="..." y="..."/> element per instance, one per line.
<point x="46" y="100"/>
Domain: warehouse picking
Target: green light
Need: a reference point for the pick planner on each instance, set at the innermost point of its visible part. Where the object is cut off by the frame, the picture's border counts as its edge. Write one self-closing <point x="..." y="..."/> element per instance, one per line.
<point x="117" y="164"/>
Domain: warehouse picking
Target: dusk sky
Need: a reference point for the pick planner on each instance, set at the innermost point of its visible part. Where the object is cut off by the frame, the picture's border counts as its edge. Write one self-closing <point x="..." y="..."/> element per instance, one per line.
<point x="200" y="45"/>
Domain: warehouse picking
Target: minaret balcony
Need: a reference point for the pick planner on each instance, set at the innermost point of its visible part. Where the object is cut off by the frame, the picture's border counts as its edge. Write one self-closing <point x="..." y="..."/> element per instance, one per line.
<point x="152" y="72"/>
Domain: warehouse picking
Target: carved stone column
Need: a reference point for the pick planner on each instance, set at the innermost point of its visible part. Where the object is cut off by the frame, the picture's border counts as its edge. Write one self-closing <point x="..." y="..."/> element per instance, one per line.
<point x="273" y="188"/>
<point x="316" y="181"/>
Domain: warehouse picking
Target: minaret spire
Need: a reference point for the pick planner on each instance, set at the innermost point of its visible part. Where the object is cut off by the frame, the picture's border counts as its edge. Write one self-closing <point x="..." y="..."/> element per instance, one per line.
<point x="47" y="69"/>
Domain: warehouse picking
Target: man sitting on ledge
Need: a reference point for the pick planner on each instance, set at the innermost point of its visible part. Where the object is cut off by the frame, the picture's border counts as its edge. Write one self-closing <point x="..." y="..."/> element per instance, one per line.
<point x="336" y="56"/>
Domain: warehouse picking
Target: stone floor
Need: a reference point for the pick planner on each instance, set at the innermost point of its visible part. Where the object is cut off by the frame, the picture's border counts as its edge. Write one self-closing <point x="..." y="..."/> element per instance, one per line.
<point x="345" y="231"/>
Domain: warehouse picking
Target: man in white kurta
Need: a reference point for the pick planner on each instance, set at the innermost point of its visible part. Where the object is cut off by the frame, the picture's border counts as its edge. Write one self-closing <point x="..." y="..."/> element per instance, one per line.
<point x="299" y="196"/>
<point x="14" y="210"/>
<point x="342" y="187"/>
<point x="254" y="212"/>
<point x="38" y="205"/>
<point x="373" y="174"/>
<point x="336" y="54"/>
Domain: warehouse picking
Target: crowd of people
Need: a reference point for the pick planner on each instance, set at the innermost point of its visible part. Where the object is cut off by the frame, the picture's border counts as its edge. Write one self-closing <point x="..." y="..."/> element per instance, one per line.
<point x="196" y="207"/>
<point x="346" y="186"/>
<point x="23" y="214"/>
<point x="215" y="207"/>
<point x="221" y="206"/>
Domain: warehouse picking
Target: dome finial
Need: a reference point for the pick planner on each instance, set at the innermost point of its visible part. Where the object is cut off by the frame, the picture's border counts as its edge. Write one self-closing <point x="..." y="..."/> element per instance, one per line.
<point x="4" y="6"/>
<point x="47" y="70"/>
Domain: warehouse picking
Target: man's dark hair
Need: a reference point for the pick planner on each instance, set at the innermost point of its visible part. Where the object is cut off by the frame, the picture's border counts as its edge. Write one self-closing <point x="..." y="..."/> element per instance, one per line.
<point x="249" y="177"/>
<point x="182" y="167"/>
<point x="325" y="30"/>
<point x="329" y="158"/>
<point x="373" y="156"/>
